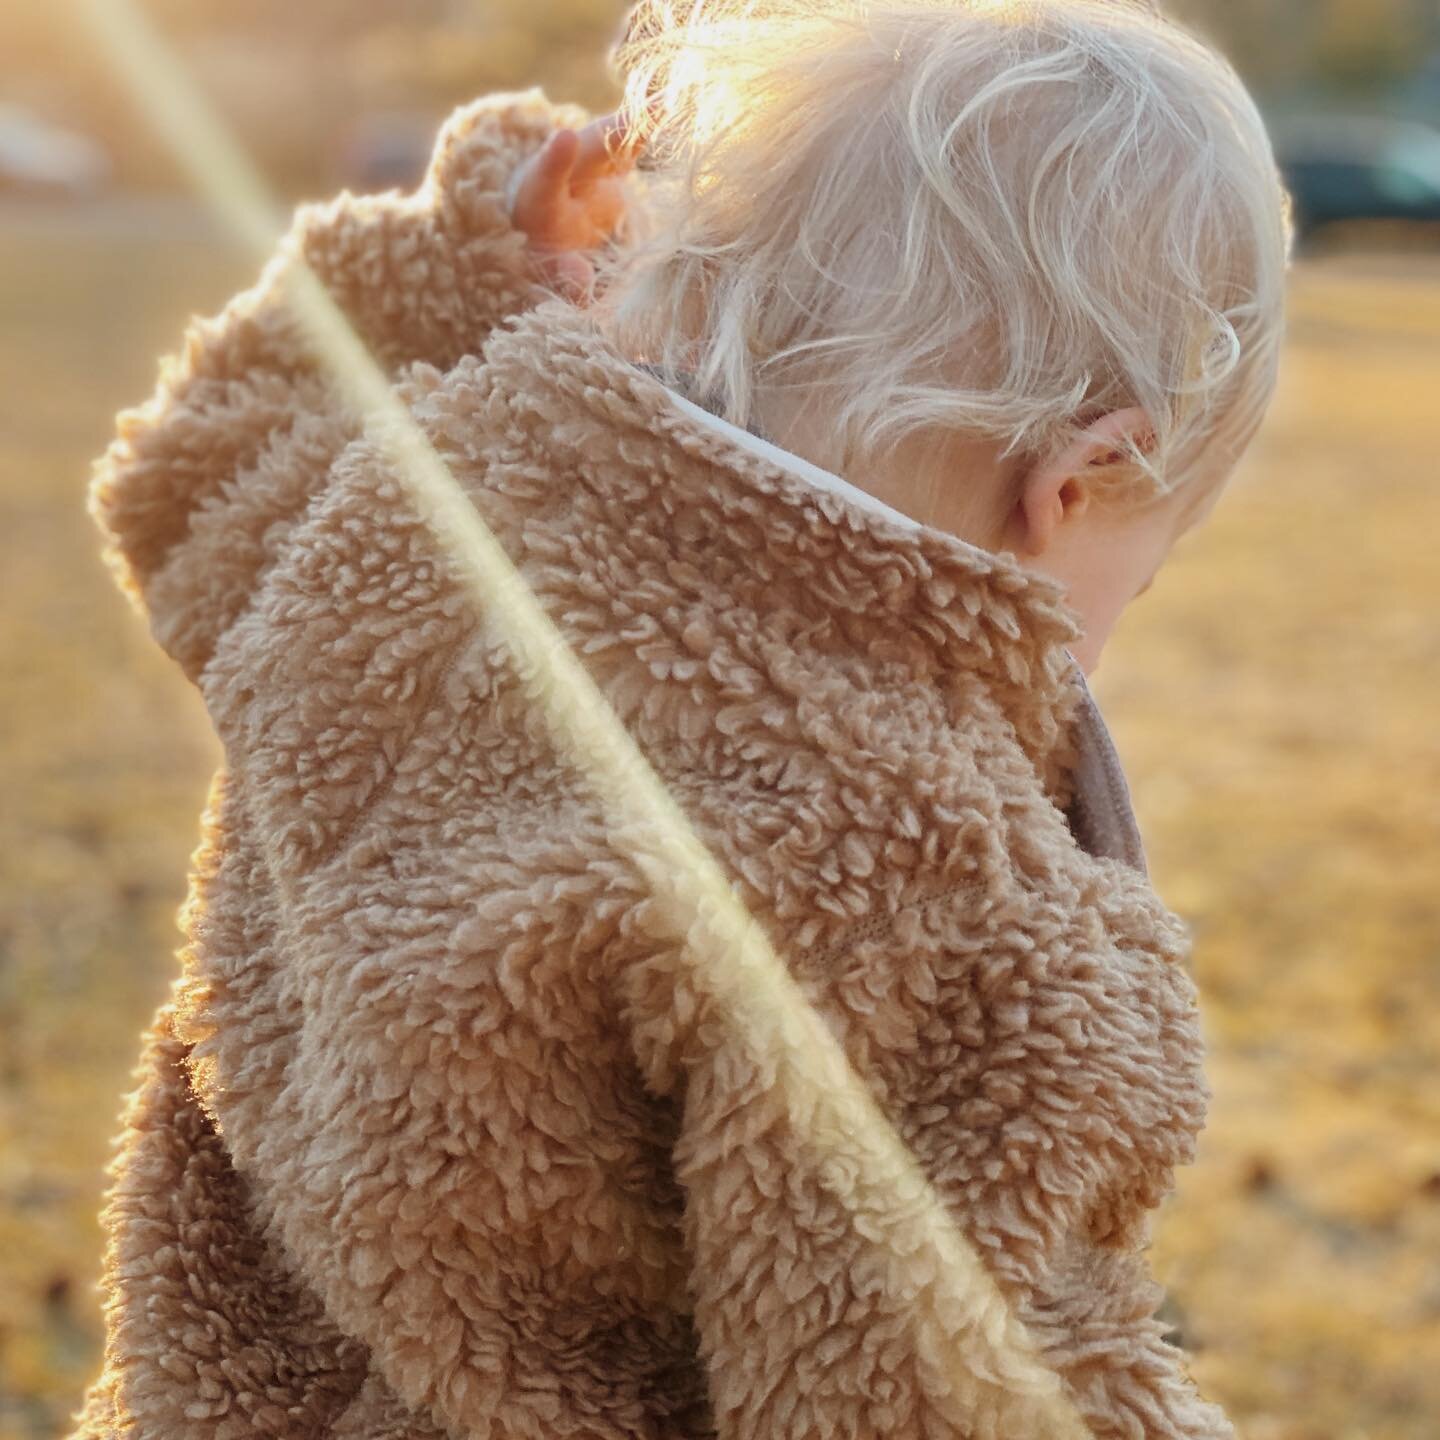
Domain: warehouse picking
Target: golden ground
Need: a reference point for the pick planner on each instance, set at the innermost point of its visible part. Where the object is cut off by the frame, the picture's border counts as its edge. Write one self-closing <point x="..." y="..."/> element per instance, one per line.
<point x="1275" y="698"/>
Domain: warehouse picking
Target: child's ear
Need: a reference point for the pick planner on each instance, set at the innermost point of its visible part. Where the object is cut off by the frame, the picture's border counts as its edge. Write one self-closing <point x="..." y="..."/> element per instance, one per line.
<point x="1059" y="488"/>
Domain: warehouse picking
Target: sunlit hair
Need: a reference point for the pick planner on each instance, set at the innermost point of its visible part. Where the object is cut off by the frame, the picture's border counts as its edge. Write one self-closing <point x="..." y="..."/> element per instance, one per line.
<point x="993" y="220"/>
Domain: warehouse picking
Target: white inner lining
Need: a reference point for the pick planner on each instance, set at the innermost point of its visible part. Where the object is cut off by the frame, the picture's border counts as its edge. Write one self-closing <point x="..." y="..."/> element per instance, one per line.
<point x="824" y="479"/>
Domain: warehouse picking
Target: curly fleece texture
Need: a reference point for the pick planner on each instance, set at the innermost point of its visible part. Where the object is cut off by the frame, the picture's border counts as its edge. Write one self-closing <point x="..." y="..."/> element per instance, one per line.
<point x="430" y="1139"/>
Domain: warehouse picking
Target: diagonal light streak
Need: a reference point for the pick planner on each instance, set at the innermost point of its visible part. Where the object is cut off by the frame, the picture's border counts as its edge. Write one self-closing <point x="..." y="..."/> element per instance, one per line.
<point x="964" y="1329"/>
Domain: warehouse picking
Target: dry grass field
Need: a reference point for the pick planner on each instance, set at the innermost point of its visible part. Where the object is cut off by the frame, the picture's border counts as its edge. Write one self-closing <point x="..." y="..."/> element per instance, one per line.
<point x="1276" y="698"/>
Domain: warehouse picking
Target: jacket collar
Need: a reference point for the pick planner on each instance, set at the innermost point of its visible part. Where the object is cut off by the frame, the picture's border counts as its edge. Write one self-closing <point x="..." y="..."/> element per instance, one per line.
<point x="941" y="603"/>
<point x="1100" y="811"/>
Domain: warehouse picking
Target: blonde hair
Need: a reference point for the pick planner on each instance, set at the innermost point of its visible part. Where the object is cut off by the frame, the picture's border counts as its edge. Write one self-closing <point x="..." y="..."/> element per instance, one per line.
<point x="998" y="220"/>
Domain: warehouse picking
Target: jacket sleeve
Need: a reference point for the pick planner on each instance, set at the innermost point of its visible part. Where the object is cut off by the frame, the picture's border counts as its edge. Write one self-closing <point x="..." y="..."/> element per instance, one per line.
<point x="819" y="1308"/>
<point x="1095" y="1314"/>
<point x="834" y="1289"/>
<point x="202" y="483"/>
<point x="1139" y="1098"/>
<point x="805" y="1322"/>
<point x="804" y="1326"/>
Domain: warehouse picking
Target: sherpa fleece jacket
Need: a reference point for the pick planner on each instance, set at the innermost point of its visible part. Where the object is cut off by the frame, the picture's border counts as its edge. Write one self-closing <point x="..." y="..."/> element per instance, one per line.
<point x="433" y="1137"/>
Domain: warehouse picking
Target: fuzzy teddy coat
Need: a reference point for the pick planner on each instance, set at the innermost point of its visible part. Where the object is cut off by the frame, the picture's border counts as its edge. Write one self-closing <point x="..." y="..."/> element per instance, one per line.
<point x="430" y="1139"/>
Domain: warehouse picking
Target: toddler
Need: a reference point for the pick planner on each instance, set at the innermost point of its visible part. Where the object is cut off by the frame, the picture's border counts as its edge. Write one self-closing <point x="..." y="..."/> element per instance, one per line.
<point x="833" y="399"/>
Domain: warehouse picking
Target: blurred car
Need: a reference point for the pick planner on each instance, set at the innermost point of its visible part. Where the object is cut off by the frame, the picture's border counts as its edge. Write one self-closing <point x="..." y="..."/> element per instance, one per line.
<point x="386" y="150"/>
<point x="1353" y="167"/>
<point x="39" y="158"/>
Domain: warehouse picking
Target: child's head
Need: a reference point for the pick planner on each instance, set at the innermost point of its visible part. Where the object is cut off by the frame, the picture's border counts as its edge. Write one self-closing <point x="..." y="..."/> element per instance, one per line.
<point x="947" y="243"/>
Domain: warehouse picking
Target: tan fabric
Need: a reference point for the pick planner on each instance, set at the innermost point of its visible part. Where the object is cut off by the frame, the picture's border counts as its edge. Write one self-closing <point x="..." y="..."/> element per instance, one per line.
<point x="434" y="1138"/>
<point x="1099" y="813"/>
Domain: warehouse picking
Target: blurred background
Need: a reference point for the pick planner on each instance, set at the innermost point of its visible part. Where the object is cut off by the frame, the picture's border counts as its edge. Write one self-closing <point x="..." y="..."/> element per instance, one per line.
<point x="1275" y="695"/>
